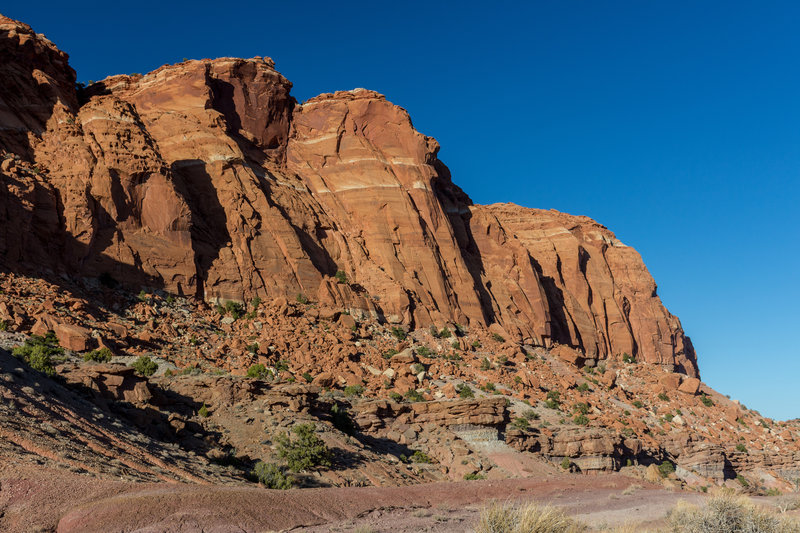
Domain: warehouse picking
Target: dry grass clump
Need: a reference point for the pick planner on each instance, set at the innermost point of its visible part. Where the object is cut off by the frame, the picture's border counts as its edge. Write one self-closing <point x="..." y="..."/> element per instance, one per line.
<point x="728" y="513"/>
<point x="528" y="518"/>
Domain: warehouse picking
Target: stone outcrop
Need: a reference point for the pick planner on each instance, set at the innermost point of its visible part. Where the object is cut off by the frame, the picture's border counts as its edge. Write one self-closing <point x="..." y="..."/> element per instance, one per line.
<point x="207" y="179"/>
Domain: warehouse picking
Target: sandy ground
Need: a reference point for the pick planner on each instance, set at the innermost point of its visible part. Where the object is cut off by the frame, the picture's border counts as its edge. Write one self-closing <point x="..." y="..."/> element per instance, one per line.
<point x="39" y="499"/>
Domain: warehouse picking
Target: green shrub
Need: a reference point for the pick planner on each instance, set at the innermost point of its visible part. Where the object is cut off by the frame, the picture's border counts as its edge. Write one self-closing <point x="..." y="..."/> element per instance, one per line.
<point x="235" y="309"/>
<point x="170" y="299"/>
<point x="253" y="348"/>
<point x="301" y="298"/>
<point x="581" y="408"/>
<point x="741" y="448"/>
<point x="272" y="476"/>
<point x="308" y="377"/>
<point x="259" y="371"/>
<point x="143" y="296"/>
<point x="420" y="457"/>
<point x="583" y="387"/>
<point x="203" y="412"/>
<point x="255" y="302"/>
<point x="566" y="463"/>
<point x="489" y="387"/>
<point x="302" y="449"/>
<point x="473" y="477"/>
<point x="486" y="364"/>
<point x="663" y="397"/>
<point x="581" y="420"/>
<point x="101" y="355"/>
<point x="354" y="390"/>
<point x="424" y="351"/>
<point x="3" y="325"/>
<point x="399" y="333"/>
<point x="144" y="366"/>
<point x="341" y="277"/>
<point x="666" y="468"/>
<point x="455" y="345"/>
<point x="413" y="396"/>
<point x="628" y="358"/>
<point x="38" y="351"/>
<point x="708" y="402"/>
<point x="388" y="354"/>
<point x="282" y="365"/>
<point x="668" y="417"/>
<point x="476" y="344"/>
<point x="465" y="391"/>
<point x="521" y="423"/>
<point x="445" y="333"/>
<point x="742" y="481"/>
<point x="498" y="337"/>
<point x="637" y="404"/>
<point x="396" y="396"/>
<point x="416" y="368"/>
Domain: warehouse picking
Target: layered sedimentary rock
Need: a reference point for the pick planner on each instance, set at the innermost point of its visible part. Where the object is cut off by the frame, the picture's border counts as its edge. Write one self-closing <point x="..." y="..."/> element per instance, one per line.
<point x="206" y="178"/>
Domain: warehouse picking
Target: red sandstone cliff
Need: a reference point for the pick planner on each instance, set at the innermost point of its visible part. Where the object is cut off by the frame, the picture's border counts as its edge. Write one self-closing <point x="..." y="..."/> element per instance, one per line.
<point x="207" y="178"/>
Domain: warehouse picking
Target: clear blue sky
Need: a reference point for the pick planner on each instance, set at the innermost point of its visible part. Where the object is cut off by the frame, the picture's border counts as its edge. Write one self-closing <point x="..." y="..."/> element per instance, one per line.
<point x="676" y="124"/>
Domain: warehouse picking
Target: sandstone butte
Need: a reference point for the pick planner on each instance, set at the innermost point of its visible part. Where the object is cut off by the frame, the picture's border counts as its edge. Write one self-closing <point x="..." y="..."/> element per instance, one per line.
<point x="208" y="179"/>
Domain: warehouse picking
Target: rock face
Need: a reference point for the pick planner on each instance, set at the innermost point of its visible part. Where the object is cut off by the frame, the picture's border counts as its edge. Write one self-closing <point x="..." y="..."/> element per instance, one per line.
<point x="206" y="178"/>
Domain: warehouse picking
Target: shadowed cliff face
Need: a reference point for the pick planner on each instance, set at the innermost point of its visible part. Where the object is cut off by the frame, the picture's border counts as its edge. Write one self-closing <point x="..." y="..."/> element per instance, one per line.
<point x="207" y="178"/>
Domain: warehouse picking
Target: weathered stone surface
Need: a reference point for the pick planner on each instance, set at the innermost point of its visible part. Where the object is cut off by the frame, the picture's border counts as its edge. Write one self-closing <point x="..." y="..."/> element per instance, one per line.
<point x="207" y="178"/>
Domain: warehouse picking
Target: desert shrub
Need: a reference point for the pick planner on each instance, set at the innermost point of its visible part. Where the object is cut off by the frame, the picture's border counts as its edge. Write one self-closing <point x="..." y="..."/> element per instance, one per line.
<point x="301" y="298"/>
<point x="424" y="351"/>
<point x="272" y="476"/>
<point x="581" y="420"/>
<point x="489" y="387"/>
<point x="666" y="468"/>
<point x="341" y="277"/>
<point x="530" y="414"/>
<point x="473" y="477"/>
<point x="728" y="513"/>
<point x="259" y="371"/>
<point x="341" y="419"/>
<point x="525" y="518"/>
<point x="101" y="355"/>
<point x="255" y="302"/>
<point x="498" y="337"/>
<point x="396" y="396"/>
<point x="486" y="364"/>
<point x="455" y="345"/>
<point x="521" y="423"/>
<point x="663" y="397"/>
<point x="203" y="412"/>
<point x="308" y="377"/>
<point x="465" y="391"/>
<point x="302" y="449"/>
<point x="388" y="354"/>
<point x="583" y="387"/>
<point x="626" y="358"/>
<point x="637" y="404"/>
<point x="37" y="352"/>
<point x="445" y="333"/>
<point x="566" y="463"/>
<point x="741" y="448"/>
<point x="253" y="348"/>
<point x="416" y="368"/>
<point x="143" y="296"/>
<point x="581" y="408"/>
<point x="742" y="481"/>
<point x="476" y="344"/>
<point x="413" y="396"/>
<point x="235" y="309"/>
<point x="144" y="366"/>
<point x="420" y="457"/>
<point x="354" y="390"/>
<point x="399" y="333"/>
<point x="3" y="325"/>
<point x="708" y="402"/>
<point x="668" y="417"/>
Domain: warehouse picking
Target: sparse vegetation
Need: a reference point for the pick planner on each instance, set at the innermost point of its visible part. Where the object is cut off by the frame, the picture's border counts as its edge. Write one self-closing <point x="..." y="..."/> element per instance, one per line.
<point x="708" y="402"/>
<point x="465" y="391"/>
<point x="486" y="364"/>
<point x="741" y="448"/>
<point x="272" y="476"/>
<point x="301" y="298"/>
<point x="399" y="333"/>
<point x="526" y="518"/>
<point x="498" y="337"/>
<point x="341" y="277"/>
<point x="412" y="395"/>
<point x="566" y="463"/>
<point x="354" y="390"/>
<point x="259" y="371"/>
<point x="144" y="366"/>
<point x="308" y="377"/>
<point x="303" y="449"/>
<point x="473" y="477"/>
<point x="521" y="423"/>
<point x="424" y="351"/>
<point x="581" y="420"/>
<point x="583" y="387"/>
<point x="627" y="358"/>
<point x="101" y="355"/>
<point x="38" y="351"/>
<point x="666" y="468"/>
<point x="729" y="513"/>
<point x="663" y="397"/>
<point x="637" y="404"/>
<point x="203" y="412"/>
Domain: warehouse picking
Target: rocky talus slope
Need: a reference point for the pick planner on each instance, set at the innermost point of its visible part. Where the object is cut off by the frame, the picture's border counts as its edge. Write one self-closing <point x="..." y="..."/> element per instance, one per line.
<point x="285" y="263"/>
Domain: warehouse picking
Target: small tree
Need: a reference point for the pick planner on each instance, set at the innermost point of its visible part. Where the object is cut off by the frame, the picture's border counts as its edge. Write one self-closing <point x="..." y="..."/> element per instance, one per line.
<point x="302" y="449"/>
<point x="272" y="476"/>
<point x="145" y="366"/>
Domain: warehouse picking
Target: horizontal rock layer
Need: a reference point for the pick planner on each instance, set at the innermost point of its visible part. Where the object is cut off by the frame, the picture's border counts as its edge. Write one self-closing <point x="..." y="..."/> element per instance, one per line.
<point x="207" y="178"/>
